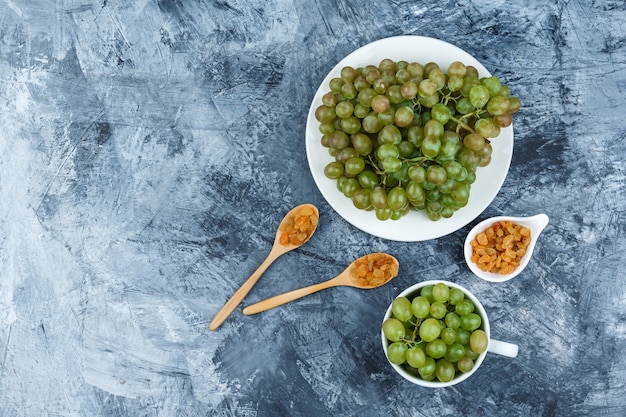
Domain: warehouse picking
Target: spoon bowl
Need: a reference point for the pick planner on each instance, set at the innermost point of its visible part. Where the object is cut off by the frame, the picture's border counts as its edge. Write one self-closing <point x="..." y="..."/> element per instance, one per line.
<point x="355" y="275"/>
<point x="281" y="246"/>
<point x="535" y="224"/>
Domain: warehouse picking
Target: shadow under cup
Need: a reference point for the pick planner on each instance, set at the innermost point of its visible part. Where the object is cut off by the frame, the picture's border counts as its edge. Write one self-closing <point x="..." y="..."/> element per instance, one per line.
<point x="494" y="346"/>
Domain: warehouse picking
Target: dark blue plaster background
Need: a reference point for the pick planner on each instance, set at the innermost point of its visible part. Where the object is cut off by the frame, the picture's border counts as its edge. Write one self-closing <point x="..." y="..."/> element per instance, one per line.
<point x="149" y="148"/>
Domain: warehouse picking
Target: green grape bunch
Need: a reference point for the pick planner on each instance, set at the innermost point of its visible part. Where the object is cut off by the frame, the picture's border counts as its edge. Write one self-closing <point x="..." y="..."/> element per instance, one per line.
<point x="406" y="136"/>
<point x="436" y="335"/>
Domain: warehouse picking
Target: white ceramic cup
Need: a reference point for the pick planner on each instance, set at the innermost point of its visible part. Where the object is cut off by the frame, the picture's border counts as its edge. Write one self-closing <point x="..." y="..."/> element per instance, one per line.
<point x="494" y="346"/>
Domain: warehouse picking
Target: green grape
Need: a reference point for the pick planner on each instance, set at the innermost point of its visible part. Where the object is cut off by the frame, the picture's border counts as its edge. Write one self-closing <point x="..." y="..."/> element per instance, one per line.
<point x="394" y="93"/>
<point x="479" y="96"/>
<point x="438" y="310"/>
<point x="394" y="329"/>
<point x="415" y="135"/>
<point x="325" y="114"/>
<point x="335" y="84"/>
<point x="409" y="90"/>
<point x="379" y="198"/>
<point x="455" y="82"/>
<point x="348" y="74"/>
<point x="427" y="291"/>
<point x="380" y="103"/>
<point x="391" y="164"/>
<point x="387" y="117"/>
<point x="415" y="193"/>
<point x="420" y="306"/>
<point x="429" y="329"/>
<point x="470" y="322"/>
<point x="492" y="84"/>
<point x="396" y="198"/>
<point x="368" y="179"/>
<point x="469" y="352"/>
<point x="431" y="145"/>
<point x="427" y="88"/>
<point x="396" y="353"/>
<point x="456" y="295"/>
<point x="361" y="199"/>
<point x="401" y="308"/>
<point x="438" y="77"/>
<point x="350" y="186"/>
<point x="514" y="104"/>
<point x="441" y="113"/>
<point x="417" y="173"/>
<point x="405" y="148"/>
<point x="499" y="105"/>
<point x="402" y="174"/>
<point x="464" y="307"/>
<point x="360" y="83"/>
<point x="479" y="341"/>
<point x="474" y="141"/>
<point x="455" y="352"/>
<point x="372" y="75"/>
<point x="445" y="370"/>
<point x="344" y="109"/>
<point x="434" y="128"/>
<point x="465" y="364"/>
<point x="354" y="166"/>
<point x="334" y="170"/>
<point x="436" y="349"/>
<point x="349" y="90"/>
<point x="428" y="368"/>
<point x="361" y="143"/>
<point x="330" y="99"/>
<point x="436" y="174"/>
<point x="487" y="128"/>
<point x="345" y="154"/>
<point x="402" y="75"/>
<point x="441" y="292"/>
<point x="390" y="134"/>
<point x="415" y="357"/>
<point x="383" y="213"/>
<point x="339" y="140"/>
<point x="452" y="319"/>
<point x="365" y="96"/>
<point x="361" y="110"/>
<point x="387" y="150"/>
<point x="448" y="335"/>
<point x="371" y="124"/>
<point x="404" y="116"/>
<point x="462" y="336"/>
<point x="445" y="189"/>
<point x="464" y="106"/>
<point x="469" y="81"/>
<point x="351" y="125"/>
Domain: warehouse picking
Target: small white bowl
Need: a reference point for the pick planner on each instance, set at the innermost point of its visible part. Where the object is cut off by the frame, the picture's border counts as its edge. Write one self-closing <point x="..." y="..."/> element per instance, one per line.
<point x="536" y="224"/>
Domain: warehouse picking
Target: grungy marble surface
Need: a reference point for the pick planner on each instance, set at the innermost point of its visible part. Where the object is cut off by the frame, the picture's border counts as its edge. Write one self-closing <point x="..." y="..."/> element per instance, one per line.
<point x="148" y="150"/>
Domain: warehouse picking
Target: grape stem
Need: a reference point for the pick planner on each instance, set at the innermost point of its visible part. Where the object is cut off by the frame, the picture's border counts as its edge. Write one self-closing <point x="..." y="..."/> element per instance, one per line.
<point x="462" y="124"/>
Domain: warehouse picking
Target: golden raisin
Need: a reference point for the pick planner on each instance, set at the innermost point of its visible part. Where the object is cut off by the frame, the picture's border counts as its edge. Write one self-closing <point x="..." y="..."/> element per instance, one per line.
<point x="500" y="247"/>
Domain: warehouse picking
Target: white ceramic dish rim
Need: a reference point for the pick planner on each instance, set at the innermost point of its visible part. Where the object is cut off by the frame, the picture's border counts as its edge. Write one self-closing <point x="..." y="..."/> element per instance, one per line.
<point x="535" y="223"/>
<point x="415" y="226"/>
<point x="485" y="326"/>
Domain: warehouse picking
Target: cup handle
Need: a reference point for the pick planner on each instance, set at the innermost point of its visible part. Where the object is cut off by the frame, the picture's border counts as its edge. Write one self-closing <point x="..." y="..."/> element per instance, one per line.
<point x="503" y="348"/>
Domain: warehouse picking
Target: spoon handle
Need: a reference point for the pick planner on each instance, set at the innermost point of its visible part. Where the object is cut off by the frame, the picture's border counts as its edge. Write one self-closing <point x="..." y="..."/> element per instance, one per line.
<point x="284" y="298"/>
<point x="240" y="294"/>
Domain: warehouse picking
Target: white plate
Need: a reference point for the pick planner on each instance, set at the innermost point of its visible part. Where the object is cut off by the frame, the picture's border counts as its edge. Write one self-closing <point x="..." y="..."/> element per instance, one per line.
<point x="415" y="226"/>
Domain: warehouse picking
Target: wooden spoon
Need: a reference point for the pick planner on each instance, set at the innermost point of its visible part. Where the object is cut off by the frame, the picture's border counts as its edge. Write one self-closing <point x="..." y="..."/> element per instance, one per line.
<point x="278" y="249"/>
<point x="346" y="278"/>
